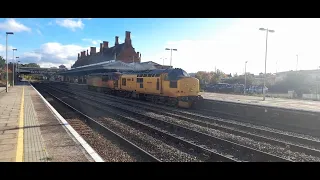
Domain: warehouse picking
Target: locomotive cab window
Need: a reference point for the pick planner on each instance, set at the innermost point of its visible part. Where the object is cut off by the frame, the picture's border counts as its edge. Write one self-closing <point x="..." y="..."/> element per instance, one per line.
<point x="124" y="82"/>
<point x="105" y="78"/>
<point x="139" y="80"/>
<point x="173" y="84"/>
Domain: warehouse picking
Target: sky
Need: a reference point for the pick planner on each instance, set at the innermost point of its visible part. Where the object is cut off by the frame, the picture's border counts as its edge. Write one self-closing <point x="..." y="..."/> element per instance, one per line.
<point x="202" y="44"/>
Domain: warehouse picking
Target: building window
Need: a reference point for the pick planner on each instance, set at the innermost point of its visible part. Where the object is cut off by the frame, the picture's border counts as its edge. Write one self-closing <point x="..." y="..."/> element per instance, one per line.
<point x="124" y="82"/>
<point x="173" y="84"/>
<point x="141" y="85"/>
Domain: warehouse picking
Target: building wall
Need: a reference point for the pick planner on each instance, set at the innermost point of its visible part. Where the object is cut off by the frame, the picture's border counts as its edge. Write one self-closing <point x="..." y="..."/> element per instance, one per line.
<point x="127" y="55"/>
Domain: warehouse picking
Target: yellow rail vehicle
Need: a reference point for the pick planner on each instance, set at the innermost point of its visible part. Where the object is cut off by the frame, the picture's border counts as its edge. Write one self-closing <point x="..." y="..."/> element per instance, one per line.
<point x="168" y="86"/>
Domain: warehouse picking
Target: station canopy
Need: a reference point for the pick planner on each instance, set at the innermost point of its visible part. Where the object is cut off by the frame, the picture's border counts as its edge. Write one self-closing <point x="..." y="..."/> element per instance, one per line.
<point x="108" y="66"/>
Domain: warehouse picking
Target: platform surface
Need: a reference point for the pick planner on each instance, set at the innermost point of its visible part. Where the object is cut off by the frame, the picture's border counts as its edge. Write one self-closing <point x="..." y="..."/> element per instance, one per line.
<point x="305" y="105"/>
<point x="30" y="132"/>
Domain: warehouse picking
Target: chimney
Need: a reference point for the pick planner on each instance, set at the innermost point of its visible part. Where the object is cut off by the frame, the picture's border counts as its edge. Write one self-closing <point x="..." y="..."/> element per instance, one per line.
<point x="117" y="40"/>
<point x="101" y="47"/>
<point x="84" y="53"/>
<point x="105" y="44"/>
<point x="92" y="50"/>
<point x="128" y="38"/>
<point x="87" y="52"/>
<point x="78" y="55"/>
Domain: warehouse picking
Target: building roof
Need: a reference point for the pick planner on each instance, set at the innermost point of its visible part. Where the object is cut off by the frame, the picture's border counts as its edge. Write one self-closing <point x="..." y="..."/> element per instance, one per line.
<point x="107" y="55"/>
<point x="108" y="66"/>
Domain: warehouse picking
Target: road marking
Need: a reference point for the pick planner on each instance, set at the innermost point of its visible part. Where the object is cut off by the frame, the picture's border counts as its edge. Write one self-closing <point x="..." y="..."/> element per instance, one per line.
<point x="19" y="155"/>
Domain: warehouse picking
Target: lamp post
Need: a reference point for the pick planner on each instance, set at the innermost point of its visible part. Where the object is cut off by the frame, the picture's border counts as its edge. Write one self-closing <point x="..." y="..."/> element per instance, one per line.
<point x="7" y="33"/>
<point x="265" y="61"/>
<point x="245" y="76"/>
<point x="17" y="67"/>
<point x="13" y="61"/>
<point x="297" y="63"/>
<point x="170" y="49"/>
<point x="163" y="61"/>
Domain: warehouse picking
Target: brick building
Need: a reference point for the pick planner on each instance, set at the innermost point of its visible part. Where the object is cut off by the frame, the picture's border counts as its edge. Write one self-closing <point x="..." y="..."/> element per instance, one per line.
<point x="123" y="52"/>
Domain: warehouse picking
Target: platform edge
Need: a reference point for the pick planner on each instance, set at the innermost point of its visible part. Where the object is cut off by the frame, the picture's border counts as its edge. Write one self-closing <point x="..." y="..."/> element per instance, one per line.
<point x="92" y="153"/>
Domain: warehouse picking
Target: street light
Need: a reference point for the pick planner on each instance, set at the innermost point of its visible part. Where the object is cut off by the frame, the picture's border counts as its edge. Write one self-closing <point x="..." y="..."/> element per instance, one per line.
<point x="163" y="61"/>
<point x="245" y="76"/>
<point x="297" y="63"/>
<point x="265" y="61"/>
<point x="170" y="49"/>
<point x="7" y="33"/>
<point x="13" y="61"/>
<point x="17" y="66"/>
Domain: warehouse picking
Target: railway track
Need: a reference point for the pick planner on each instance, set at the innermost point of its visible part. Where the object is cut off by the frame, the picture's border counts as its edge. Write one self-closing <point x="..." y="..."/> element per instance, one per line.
<point x="202" y="139"/>
<point x="84" y="130"/>
<point x="305" y="145"/>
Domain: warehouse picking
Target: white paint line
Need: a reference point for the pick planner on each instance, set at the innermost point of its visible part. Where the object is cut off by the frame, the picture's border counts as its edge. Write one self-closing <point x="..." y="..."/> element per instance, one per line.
<point x="95" y="156"/>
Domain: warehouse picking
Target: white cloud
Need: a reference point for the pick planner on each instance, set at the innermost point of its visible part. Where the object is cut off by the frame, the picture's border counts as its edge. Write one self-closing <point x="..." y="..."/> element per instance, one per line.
<point x="242" y="41"/>
<point x="3" y="51"/>
<point x="87" y="18"/>
<point x="70" y="23"/>
<point x="14" y="26"/>
<point x="94" y="42"/>
<point x="53" y="54"/>
<point x="39" y="32"/>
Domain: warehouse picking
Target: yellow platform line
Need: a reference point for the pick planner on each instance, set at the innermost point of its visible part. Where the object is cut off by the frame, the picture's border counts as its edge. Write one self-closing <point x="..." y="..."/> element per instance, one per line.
<point x="19" y="155"/>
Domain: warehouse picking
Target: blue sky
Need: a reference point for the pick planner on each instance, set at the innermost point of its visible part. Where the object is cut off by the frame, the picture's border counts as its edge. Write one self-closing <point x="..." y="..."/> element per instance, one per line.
<point x="202" y="44"/>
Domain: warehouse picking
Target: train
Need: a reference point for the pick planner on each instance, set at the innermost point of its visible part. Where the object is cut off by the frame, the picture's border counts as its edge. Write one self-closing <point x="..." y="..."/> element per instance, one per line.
<point x="173" y="86"/>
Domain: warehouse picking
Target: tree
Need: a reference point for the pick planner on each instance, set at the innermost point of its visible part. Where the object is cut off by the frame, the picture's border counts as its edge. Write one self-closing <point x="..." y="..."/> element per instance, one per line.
<point x="32" y="65"/>
<point x="296" y="81"/>
<point x="2" y="62"/>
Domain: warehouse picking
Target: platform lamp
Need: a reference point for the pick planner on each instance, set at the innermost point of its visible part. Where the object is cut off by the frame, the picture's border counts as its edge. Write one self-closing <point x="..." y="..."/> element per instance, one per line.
<point x="13" y="61"/>
<point x="7" y="33"/>
<point x="17" y="66"/>
<point x="265" y="61"/>
<point x="245" y="77"/>
<point x="170" y="49"/>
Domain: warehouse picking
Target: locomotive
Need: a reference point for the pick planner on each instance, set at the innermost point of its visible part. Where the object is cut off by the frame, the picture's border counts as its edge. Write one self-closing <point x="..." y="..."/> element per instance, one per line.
<point x="172" y="87"/>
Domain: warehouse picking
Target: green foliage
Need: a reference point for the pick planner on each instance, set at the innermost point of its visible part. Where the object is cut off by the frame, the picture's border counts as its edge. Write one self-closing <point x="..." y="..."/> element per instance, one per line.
<point x="296" y="81"/>
<point x="2" y="62"/>
<point x="31" y="65"/>
<point x="209" y="77"/>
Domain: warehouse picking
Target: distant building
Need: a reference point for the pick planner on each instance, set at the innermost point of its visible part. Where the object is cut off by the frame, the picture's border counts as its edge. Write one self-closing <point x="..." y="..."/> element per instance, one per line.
<point x="123" y="52"/>
<point x="313" y="75"/>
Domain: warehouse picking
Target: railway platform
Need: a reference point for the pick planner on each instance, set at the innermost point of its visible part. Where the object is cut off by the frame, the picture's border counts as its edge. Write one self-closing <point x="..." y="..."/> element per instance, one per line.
<point x="292" y="104"/>
<point x="32" y="131"/>
<point x="2" y="89"/>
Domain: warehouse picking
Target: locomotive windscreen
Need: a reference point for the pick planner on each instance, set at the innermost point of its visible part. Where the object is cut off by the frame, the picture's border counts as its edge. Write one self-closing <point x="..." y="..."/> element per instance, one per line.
<point x="176" y="74"/>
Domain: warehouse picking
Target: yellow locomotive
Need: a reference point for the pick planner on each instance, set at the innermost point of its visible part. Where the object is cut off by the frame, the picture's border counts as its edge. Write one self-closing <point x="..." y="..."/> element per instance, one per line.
<point x="167" y="86"/>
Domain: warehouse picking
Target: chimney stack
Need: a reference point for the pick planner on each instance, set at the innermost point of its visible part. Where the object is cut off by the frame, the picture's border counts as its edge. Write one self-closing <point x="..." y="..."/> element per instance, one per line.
<point x="84" y="53"/>
<point x="105" y="44"/>
<point x="87" y="52"/>
<point x="101" y="47"/>
<point x="117" y="40"/>
<point x="81" y="54"/>
<point x="78" y="55"/>
<point x="92" y="50"/>
<point x="128" y="38"/>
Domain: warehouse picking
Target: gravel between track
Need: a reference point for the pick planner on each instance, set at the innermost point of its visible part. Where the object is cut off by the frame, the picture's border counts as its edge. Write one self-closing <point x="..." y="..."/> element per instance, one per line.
<point x="154" y="146"/>
<point x="265" y="147"/>
<point x="105" y="148"/>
